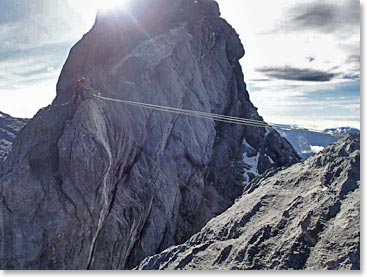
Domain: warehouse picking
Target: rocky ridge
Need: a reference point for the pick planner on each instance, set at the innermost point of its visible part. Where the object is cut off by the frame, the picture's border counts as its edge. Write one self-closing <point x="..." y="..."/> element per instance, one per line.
<point x="303" y="217"/>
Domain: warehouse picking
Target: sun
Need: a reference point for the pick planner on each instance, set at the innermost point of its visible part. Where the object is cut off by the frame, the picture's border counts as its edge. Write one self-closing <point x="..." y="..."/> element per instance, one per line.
<point x="85" y="7"/>
<point x="111" y="4"/>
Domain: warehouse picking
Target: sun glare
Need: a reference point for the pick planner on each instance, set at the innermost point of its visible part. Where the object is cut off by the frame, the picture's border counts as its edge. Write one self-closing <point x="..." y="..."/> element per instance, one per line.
<point x="111" y="4"/>
<point x="86" y="7"/>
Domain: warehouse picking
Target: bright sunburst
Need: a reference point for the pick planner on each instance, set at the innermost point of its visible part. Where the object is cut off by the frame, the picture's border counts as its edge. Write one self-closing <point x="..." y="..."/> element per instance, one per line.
<point x="84" y="7"/>
<point x="111" y="4"/>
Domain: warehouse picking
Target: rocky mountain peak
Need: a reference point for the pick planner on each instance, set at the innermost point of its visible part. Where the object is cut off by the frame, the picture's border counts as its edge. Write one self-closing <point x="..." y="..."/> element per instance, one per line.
<point x="101" y="184"/>
<point x="157" y="15"/>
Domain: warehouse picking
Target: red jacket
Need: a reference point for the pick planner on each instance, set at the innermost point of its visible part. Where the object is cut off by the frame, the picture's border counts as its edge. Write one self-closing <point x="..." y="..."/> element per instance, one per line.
<point x="80" y="84"/>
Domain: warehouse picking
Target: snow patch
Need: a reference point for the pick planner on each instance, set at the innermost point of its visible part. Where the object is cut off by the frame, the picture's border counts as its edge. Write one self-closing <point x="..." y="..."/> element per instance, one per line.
<point x="251" y="163"/>
<point x="270" y="159"/>
<point x="267" y="132"/>
<point x="315" y="149"/>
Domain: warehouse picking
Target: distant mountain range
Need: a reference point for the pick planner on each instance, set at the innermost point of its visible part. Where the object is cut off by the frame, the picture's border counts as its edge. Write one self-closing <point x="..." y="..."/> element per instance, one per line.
<point x="9" y="128"/>
<point x="308" y="144"/>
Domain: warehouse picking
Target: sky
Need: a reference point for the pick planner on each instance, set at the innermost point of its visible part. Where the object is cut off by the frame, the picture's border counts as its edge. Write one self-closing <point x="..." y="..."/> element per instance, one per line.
<point x="302" y="62"/>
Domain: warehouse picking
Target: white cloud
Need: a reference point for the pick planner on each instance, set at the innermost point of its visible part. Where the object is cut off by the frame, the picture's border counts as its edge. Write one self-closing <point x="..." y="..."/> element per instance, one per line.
<point x="36" y="38"/>
<point x="267" y="30"/>
<point x="278" y="100"/>
<point x="25" y="101"/>
<point x="260" y="25"/>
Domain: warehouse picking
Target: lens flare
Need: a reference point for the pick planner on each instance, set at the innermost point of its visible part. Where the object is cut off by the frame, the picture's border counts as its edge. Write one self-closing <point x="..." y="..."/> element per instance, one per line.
<point x="112" y="4"/>
<point x="84" y="7"/>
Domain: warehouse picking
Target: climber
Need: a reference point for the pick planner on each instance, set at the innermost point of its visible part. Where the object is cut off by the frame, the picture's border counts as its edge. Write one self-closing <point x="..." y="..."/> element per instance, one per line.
<point x="80" y="90"/>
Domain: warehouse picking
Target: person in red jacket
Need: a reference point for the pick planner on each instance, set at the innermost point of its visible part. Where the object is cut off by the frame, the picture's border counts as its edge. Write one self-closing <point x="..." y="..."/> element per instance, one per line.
<point x="80" y="90"/>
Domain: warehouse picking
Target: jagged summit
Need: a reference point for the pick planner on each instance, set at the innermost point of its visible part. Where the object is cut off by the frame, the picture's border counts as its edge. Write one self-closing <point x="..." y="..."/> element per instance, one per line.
<point x="303" y="217"/>
<point x="117" y="33"/>
<point x="103" y="185"/>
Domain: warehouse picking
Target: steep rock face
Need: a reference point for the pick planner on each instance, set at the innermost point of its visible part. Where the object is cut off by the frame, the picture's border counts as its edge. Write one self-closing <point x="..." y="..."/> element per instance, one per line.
<point x="304" y="217"/>
<point x="104" y="185"/>
<point x="9" y="129"/>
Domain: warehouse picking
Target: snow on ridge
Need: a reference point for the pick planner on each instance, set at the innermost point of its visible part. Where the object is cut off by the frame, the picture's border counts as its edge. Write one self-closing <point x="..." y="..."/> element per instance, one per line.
<point x="315" y="149"/>
<point x="270" y="159"/>
<point x="251" y="163"/>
